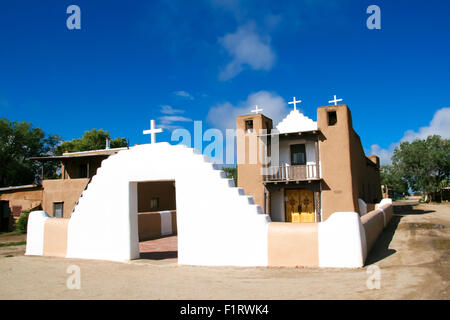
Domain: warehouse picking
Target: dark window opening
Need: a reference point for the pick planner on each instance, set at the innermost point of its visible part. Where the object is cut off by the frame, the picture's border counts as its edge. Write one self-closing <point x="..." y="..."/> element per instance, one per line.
<point x="332" y="118"/>
<point x="268" y="127"/>
<point x="58" y="209"/>
<point x="298" y="154"/>
<point x="154" y="203"/>
<point x="249" y="126"/>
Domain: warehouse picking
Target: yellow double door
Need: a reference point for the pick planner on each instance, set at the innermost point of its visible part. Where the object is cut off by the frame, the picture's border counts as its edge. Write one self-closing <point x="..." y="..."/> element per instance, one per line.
<point x="299" y="205"/>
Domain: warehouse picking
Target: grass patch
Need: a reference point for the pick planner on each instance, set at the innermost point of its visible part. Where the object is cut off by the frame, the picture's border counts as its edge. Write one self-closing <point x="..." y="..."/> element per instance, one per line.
<point x="14" y="232"/>
<point x="9" y="244"/>
<point x="9" y="256"/>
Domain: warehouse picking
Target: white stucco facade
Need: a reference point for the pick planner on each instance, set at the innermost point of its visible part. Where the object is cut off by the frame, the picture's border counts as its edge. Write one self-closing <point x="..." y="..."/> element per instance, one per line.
<point x="217" y="223"/>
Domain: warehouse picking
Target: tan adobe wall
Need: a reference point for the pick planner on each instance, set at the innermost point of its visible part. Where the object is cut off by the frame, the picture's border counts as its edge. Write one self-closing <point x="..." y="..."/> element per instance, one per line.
<point x="366" y="172"/>
<point x="249" y="175"/>
<point x="26" y="199"/>
<point x="55" y="237"/>
<point x="284" y="240"/>
<point x="163" y="190"/>
<point x="374" y="222"/>
<point x="59" y="190"/>
<point x="149" y="225"/>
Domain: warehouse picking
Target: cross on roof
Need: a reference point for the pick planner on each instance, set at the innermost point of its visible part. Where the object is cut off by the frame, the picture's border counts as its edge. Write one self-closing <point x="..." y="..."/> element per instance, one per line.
<point x="153" y="131"/>
<point x="256" y="110"/>
<point x="335" y="101"/>
<point x="294" y="102"/>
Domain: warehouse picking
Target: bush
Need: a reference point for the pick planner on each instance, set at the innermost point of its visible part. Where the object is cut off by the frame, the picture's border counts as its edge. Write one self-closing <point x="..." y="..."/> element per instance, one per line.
<point x="21" y="224"/>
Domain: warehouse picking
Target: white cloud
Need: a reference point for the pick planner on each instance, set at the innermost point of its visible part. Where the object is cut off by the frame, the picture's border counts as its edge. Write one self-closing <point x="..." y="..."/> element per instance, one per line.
<point x="246" y="48"/>
<point x="223" y="116"/>
<point x="169" y="110"/>
<point x="168" y="122"/>
<point x="184" y="94"/>
<point x="440" y="125"/>
<point x="174" y="119"/>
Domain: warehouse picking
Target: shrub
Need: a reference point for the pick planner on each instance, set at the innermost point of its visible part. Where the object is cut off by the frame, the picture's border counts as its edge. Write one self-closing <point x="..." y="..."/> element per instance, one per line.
<point x="21" y="224"/>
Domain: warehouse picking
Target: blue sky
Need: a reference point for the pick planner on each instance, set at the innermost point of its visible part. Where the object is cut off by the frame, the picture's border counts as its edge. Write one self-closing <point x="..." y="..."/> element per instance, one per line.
<point x="178" y="61"/>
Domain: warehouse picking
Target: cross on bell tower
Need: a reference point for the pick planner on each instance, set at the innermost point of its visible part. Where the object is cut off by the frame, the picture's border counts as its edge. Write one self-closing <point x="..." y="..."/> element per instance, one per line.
<point x="257" y="110"/>
<point x="153" y="131"/>
<point x="335" y="101"/>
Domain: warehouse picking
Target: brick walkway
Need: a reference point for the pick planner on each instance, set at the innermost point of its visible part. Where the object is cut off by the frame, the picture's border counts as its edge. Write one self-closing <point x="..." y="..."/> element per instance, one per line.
<point x="159" y="249"/>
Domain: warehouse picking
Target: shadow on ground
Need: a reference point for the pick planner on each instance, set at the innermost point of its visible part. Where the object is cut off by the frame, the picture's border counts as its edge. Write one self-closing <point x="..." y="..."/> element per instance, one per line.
<point x="381" y="249"/>
<point x="159" y="255"/>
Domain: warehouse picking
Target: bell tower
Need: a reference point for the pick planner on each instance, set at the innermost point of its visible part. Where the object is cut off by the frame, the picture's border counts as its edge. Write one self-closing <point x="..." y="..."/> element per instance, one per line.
<point x="250" y="146"/>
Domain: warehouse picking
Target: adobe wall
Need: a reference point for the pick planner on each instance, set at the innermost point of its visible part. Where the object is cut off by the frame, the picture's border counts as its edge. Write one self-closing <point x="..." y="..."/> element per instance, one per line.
<point x="153" y="225"/>
<point x="21" y="200"/>
<point x="249" y="175"/>
<point x="163" y="190"/>
<point x="366" y="183"/>
<point x="59" y="190"/>
<point x="376" y="220"/>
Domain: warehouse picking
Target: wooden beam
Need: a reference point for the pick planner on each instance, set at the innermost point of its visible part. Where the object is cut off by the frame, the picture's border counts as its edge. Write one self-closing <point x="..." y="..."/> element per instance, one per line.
<point x="316" y="145"/>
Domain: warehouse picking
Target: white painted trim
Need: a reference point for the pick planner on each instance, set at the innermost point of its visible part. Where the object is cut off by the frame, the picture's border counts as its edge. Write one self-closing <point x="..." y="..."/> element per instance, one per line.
<point x="166" y="222"/>
<point x="342" y="241"/>
<point x="35" y="233"/>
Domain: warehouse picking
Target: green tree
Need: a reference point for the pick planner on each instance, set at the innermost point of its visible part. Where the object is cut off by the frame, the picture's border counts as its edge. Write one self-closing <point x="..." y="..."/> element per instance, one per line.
<point x="231" y="172"/>
<point x="424" y="164"/>
<point x="18" y="142"/>
<point x="91" y="140"/>
<point x="391" y="177"/>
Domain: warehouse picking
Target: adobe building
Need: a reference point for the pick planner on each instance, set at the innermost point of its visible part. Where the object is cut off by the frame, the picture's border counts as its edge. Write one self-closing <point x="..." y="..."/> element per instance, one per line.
<point x="321" y="167"/>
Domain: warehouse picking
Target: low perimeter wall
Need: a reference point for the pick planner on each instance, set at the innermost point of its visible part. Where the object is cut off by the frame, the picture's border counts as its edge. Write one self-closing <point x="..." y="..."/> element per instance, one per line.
<point x="153" y="225"/>
<point x="47" y="236"/>
<point x="342" y="241"/>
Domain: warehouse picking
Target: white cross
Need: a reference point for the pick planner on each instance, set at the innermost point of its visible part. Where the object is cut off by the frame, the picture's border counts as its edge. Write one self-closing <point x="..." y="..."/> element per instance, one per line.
<point x="256" y="110"/>
<point x="335" y="100"/>
<point x="153" y="131"/>
<point x="294" y="102"/>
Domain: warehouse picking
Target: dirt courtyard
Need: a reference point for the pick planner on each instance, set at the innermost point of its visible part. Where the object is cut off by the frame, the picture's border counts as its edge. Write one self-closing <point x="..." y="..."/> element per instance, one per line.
<point x="412" y="255"/>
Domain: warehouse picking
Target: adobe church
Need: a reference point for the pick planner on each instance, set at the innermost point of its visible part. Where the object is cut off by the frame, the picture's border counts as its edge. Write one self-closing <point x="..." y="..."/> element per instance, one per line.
<point x="321" y="165"/>
<point x="322" y="192"/>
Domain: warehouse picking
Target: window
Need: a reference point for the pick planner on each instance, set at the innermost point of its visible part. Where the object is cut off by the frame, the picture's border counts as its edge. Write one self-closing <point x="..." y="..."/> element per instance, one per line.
<point x="249" y="126"/>
<point x="332" y="118"/>
<point x="58" y="209"/>
<point x="268" y="127"/>
<point x="154" y="203"/>
<point x="298" y="154"/>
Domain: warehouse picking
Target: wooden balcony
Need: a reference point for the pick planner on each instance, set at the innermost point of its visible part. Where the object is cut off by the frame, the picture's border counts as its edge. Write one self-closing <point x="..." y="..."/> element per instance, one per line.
<point x="287" y="173"/>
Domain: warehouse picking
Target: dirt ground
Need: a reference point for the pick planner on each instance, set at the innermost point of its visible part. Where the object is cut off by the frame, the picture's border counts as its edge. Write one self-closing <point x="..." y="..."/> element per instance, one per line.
<point x="412" y="255"/>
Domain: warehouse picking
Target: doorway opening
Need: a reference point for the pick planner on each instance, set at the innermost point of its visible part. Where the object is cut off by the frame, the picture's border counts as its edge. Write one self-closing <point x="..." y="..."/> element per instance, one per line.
<point x="157" y="226"/>
<point x="4" y="216"/>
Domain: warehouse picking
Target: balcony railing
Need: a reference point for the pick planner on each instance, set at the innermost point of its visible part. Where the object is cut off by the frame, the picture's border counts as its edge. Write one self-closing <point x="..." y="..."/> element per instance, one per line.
<point x="291" y="173"/>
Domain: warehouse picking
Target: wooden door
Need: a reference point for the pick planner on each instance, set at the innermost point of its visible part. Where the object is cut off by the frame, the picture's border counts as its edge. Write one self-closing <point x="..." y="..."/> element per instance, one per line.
<point x="299" y="205"/>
